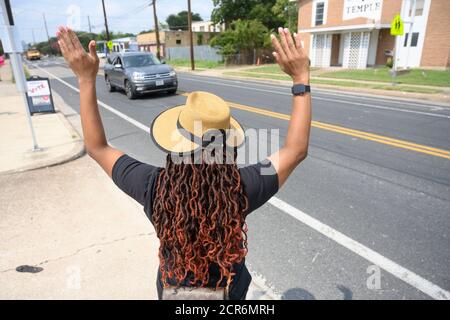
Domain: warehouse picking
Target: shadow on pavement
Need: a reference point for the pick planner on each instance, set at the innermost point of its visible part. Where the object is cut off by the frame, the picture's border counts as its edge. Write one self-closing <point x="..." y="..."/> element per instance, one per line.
<point x="297" y="294"/>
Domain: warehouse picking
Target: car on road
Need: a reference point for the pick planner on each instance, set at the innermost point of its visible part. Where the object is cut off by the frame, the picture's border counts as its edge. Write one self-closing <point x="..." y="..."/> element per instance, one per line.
<point x="138" y="73"/>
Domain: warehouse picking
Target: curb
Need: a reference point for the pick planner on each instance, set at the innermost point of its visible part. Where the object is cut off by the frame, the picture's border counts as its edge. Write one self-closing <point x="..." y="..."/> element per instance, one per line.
<point x="386" y="93"/>
<point x="77" y="151"/>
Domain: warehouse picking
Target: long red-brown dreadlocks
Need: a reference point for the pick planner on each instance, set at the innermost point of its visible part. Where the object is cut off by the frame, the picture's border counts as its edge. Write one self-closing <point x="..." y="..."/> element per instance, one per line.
<point x="198" y="216"/>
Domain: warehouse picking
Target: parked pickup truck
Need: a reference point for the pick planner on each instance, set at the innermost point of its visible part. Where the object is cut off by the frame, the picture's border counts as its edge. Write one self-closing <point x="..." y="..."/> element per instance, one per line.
<point x="138" y="73"/>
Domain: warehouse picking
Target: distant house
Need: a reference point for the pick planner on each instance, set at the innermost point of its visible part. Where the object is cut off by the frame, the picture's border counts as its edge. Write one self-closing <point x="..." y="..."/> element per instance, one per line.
<point x="207" y="26"/>
<point x="171" y="39"/>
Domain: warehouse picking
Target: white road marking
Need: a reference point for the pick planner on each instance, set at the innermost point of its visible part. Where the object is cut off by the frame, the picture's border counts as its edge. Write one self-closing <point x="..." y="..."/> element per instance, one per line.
<point x="388" y="265"/>
<point x="332" y="100"/>
<point x="104" y="105"/>
<point x="332" y="93"/>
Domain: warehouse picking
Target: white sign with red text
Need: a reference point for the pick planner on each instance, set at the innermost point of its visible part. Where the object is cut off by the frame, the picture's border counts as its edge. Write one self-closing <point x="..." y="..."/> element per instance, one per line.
<point x="38" y="88"/>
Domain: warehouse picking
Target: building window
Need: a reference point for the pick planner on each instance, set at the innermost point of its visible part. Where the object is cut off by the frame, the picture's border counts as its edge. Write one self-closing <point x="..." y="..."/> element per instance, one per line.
<point x="419" y="8"/>
<point x="202" y="28"/>
<point x="414" y="39"/>
<point x="320" y="13"/>
<point x="178" y="41"/>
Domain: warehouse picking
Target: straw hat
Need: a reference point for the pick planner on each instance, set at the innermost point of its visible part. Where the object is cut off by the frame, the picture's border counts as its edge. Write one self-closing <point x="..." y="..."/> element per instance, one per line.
<point x="184" y="128"/>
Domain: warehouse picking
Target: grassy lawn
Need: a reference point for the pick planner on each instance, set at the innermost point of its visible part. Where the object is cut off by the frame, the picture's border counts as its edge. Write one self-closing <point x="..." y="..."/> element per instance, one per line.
<point x="270" y="68"/>
<point x="25" y="70"/>
<point x="415" y="76"/>
<point x="401" y="88"/>
<point x="198" y="64"/>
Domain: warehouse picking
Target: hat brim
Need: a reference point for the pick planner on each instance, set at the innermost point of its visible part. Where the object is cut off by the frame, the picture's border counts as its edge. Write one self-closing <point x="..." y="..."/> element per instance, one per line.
<point x="167" y="136"/>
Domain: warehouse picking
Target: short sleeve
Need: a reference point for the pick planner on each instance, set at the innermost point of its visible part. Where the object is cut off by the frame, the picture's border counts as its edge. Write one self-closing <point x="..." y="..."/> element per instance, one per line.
<point x="134" y="178"/>
<point x="260" y="183"/>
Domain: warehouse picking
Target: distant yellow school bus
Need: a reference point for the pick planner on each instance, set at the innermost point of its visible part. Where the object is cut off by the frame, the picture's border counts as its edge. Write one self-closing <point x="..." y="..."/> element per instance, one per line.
<point x="33" y="54"/>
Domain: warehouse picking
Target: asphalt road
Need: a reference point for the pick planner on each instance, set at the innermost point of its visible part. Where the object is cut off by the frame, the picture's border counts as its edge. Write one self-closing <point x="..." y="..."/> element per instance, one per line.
<point x="359" y="200"/>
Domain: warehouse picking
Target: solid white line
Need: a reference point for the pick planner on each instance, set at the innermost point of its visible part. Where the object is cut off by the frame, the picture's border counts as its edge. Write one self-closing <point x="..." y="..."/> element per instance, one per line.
<point x="390" y="266"/>
<point x="437" y="115"/>
<point x="333" y="93"/>
<point x="104" y="105"/>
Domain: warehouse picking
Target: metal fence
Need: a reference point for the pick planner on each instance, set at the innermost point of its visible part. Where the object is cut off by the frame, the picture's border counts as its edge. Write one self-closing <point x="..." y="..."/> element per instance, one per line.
<point x="204" y="53"/>
<point x="256" y="57"/>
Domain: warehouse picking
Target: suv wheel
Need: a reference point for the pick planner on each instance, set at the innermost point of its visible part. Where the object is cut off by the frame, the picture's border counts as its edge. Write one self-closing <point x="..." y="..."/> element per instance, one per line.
<point x="109" y="86"/>
<point x="131" y="93"/>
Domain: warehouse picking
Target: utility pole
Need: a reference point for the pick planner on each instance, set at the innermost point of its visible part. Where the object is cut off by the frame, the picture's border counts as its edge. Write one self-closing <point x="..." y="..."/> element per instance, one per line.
<point x="191" y="35"/>
<point x="46" y="28"/>
<point x="89" y="23"/>
<point x="48" y="36"/>
<point x="34" y="38"/>
<point x="16" y="62"/>
<point x="158" y="42"/>
<point x="106" y="25"/>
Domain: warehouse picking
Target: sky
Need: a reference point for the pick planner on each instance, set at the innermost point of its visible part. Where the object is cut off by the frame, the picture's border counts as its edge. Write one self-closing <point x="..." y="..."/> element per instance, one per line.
<point x="127" y="16"/>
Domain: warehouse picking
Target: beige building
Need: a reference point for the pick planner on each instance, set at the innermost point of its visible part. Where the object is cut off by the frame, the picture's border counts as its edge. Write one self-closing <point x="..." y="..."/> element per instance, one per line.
<point x="356" y="33"/>
<point x="171" y="39"/>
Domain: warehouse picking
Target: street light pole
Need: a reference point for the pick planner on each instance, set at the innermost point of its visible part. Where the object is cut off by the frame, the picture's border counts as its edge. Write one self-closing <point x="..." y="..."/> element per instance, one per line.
<point x="16" y="63"/>
<point x="191" y="35"/>
<point x="158" y="42"/>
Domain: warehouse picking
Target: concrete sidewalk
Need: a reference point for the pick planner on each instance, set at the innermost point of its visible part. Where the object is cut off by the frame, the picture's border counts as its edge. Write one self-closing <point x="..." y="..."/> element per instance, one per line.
<point x="57" y="139"/>
<point x="66" y="231"/>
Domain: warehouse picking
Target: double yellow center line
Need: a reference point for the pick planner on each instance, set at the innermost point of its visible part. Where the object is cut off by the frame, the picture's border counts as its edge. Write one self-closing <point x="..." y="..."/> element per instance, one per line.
<point x="350" y="132"/>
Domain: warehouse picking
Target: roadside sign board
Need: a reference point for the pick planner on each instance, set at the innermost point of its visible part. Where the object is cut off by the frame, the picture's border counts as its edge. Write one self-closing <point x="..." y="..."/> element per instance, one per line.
<point x="39" y="95"/>
<point x="397" y="26"/>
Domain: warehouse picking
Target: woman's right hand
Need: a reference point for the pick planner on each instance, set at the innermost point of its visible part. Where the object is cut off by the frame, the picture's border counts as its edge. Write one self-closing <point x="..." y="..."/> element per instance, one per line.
<point x="291" y="56"/>
<point x="84" y="65"/>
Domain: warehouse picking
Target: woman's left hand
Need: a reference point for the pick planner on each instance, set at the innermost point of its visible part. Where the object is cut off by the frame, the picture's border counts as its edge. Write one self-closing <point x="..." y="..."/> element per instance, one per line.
<point x="84" y="65"/>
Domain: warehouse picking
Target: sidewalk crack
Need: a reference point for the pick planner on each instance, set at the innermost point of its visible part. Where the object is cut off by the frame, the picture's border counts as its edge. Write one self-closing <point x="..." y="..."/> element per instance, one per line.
<point x="100" y="244"/>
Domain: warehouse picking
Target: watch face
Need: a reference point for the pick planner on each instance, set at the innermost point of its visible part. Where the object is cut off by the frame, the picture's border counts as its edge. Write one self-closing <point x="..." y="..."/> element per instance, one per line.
<point x="299" y="89"/>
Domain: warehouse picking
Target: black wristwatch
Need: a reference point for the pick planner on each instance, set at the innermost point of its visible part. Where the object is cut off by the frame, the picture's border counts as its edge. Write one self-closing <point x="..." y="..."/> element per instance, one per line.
<point x="300" y="89"/>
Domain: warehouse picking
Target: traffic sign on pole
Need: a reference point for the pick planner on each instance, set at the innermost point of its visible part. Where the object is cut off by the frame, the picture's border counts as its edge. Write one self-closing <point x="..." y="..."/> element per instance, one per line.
<point x="109" y="44"/>
<point x="397" y="26"/>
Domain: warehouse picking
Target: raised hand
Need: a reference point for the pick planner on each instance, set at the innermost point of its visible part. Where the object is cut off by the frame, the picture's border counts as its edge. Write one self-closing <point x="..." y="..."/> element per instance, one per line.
<point x="84" y="65"/>
<point x="291" y="56"/>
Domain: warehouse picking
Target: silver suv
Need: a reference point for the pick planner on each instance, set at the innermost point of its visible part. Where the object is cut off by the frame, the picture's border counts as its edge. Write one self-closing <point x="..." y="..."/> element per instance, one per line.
<point x="138" y="73"/>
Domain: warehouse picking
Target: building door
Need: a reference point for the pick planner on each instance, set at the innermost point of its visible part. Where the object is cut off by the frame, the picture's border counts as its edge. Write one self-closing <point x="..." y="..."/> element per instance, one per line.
<point x="321" y="50"/>
<point x="409" y="51"/>
<point x="356" y="49"/>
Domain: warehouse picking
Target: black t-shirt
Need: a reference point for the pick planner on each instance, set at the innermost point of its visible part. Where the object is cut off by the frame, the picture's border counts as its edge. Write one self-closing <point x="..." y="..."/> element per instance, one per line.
<point x="138" y="180"/>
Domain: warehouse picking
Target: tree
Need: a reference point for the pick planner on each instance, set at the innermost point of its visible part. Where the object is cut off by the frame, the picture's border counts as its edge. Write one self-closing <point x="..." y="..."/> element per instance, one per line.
<point x="112" y="35"/>
<point x="242" y="37"/>
<point x="288" y="12"/>
<point x="269" y="12"/>
<point x="227" y="11"/>
<point x="180" y="21"/>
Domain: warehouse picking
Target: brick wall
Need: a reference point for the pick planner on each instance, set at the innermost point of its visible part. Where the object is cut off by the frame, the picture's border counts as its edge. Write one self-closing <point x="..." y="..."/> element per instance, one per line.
<point x="335" y="13"/>
<point x="385" y="42"/>
<point x="436" y="49"/>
